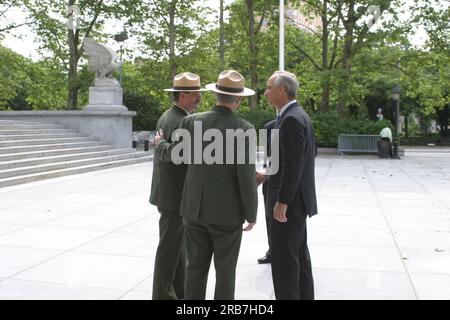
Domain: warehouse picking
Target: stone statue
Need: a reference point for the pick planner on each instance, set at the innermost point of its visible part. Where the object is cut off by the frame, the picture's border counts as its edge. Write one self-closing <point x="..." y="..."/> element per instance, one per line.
<point x="103" y="61"/>
<point x="106" y="94"/>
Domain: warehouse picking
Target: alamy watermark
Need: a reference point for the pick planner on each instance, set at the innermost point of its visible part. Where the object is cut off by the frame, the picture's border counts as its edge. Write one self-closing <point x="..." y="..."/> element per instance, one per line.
<point x="234" y="146"/>
<point x="73" y="17"/>
<point x="374" y="13"/>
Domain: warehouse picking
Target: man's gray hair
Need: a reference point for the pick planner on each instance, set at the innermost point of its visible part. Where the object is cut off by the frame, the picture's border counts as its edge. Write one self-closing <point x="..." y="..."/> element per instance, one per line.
<point x="288" y="81"/>
<point x="225" y="98"/>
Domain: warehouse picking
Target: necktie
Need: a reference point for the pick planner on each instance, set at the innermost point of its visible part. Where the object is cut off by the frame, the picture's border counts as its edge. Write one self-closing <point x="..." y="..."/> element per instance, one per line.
<point x="269" y="137"/>
<point x="277" y="123"/>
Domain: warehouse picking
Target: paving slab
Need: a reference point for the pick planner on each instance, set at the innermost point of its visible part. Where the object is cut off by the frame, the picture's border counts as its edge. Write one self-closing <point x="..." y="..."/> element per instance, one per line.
<point x="383" y="232"/>
<point x="12" y="289"/>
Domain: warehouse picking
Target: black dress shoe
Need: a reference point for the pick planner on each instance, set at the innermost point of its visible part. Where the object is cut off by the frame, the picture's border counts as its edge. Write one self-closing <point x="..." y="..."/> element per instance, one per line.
<point x="266" y="259"/>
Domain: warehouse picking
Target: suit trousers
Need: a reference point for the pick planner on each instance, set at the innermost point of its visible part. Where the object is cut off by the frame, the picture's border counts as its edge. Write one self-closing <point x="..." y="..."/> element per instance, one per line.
<point x="170" y="260"/>
<point x="269" y="219"/>
<point x="291" y="262"/>
<point x="202" y="241"/>
<point x="268" y="216"/>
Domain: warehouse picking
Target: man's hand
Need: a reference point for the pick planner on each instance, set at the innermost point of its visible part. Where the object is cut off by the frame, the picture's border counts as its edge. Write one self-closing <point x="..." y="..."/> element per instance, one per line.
<point x="158" y="137"/>
<point x="279" y="212"/>
<point x="249" y="226"/>
<point x="260" y="178"/>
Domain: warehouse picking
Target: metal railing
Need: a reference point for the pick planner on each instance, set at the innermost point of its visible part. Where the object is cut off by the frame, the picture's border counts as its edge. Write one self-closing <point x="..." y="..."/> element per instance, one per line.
<point x="143" y="138"/>
<point x="358" y="143"/>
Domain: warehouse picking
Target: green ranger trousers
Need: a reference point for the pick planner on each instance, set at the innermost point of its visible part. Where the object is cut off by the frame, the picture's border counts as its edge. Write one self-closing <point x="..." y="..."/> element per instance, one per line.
<point x="170" y="260"/>
<point x="203" y="240"/>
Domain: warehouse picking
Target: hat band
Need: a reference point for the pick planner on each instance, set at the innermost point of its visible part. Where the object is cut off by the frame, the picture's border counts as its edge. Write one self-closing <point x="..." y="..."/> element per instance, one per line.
<point x="235" y="90"/>
<point x="186" y="88"/>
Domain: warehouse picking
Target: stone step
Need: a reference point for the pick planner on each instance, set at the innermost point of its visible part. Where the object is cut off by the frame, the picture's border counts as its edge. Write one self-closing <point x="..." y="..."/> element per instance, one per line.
<point x="41" y="136"/>
<point x="61" y="158"/>
<point x="65" y="165"/>
<point x="16" y="122"/>
<point x="31" y="151"/>
<point x="71" y="171"/>
<point x="31" y="126"/>
<point x="34" y="131"/>
<point x="18" y="143"/>
<point x="48" y="147"/>
<point x="51" y="153"/>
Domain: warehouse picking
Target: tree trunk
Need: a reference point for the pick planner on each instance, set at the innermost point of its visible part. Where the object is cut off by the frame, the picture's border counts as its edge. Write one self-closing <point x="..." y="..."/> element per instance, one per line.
<point x="253" y="53"/>
<point x="406" y="125"/>
<point x="173" y="64"/>
<point x="325" y="103"/>
<point x="221" y="38"/>
<point x="344" y="82"/>
<point x="72" y="98"/>
<point x="443" y="118"/>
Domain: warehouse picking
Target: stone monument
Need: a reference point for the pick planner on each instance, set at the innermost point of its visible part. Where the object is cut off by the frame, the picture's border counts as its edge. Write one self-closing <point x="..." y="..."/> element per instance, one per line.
<point x="105" y="118"/>
<point x="106" y="94"/>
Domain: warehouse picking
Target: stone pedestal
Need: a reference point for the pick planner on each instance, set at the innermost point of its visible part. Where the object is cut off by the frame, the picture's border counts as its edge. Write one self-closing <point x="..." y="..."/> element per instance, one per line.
<point x="106" y="98"/>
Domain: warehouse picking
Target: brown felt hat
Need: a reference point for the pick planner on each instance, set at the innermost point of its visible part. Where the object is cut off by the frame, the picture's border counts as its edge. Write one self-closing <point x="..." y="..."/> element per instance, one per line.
<point x="230" y="82"/>
<point x="186" y="81"/>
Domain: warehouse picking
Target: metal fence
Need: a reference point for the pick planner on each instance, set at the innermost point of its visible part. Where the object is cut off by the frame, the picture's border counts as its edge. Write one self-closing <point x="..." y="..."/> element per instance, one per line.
<point x="143" y="138"/>
<point x="358" y="143"/>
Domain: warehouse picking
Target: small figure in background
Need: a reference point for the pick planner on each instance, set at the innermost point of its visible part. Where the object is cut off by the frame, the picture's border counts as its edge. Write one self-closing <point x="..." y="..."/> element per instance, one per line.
<point x="385" y="144"/>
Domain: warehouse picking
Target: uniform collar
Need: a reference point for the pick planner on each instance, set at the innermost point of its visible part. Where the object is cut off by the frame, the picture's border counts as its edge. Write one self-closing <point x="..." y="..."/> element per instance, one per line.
<point x="222" y="109"/>
<point x="180" y="109"/>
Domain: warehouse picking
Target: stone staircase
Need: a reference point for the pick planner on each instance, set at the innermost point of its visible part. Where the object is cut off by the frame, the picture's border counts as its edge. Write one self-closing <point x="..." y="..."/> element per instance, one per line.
<point x="31" y="151"/>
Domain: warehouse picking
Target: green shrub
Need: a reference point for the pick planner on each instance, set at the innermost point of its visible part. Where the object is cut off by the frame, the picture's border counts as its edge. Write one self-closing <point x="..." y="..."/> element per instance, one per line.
<point x="147" y="108"/>
<point x="258" y="116"/>
<point x="328" y="127"/>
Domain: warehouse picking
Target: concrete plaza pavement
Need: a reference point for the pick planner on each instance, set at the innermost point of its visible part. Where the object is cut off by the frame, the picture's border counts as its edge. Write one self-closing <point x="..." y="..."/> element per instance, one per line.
<point x="383" y="232"/>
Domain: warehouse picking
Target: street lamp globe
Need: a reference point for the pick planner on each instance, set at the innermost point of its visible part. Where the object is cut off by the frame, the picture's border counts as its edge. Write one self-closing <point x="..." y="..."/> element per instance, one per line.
<point x="121" y="37"/>
<point x="396" y="93"/>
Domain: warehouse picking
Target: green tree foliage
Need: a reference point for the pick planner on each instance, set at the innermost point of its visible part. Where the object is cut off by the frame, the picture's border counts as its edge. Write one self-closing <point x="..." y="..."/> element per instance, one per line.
<point x="343" y="66"/>
<point x="10" y="75"/>
<point x="51" y="24"/>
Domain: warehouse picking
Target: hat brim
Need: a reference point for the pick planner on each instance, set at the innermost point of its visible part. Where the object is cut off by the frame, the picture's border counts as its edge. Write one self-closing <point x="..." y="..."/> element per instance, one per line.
<point x="176" y="90"/>
<point x="246" y="93"/>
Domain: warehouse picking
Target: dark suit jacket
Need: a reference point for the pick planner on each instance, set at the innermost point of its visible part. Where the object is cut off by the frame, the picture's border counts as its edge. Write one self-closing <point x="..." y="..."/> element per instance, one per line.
<point x="223" y="194"/>
<point x="294" y="184"/>
<point x="168" y="178"/>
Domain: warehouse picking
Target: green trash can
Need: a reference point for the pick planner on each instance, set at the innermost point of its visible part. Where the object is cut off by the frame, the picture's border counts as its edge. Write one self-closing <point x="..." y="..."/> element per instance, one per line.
<point x="384" y="148"/>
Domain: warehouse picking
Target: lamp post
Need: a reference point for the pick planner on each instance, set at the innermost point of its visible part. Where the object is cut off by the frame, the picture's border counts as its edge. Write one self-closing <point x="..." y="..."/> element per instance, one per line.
<point x="396" y="98"/>
<point x="281" y="37"/>
<point x="121" y="37"/>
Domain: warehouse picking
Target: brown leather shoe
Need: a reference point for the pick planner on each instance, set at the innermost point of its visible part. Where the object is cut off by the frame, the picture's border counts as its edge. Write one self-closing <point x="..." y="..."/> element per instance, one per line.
<point x="266" y="259"/>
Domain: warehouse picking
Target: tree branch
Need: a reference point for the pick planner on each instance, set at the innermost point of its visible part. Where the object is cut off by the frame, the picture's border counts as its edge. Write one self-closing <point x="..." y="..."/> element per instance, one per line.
<point x="2" y="13"/>
<point x="10" y="27"/>
<point x="306" y="55"/>
<point x="335" y="43"/>
<point x="262" y="19"/>
<point x="163" y="16"/>
<point x="315" y="5"/>
<point x="97" y="11"/>
<point x="94" y="19"/>
<point x="313" y="31"/>
<point x="337" y="62"/>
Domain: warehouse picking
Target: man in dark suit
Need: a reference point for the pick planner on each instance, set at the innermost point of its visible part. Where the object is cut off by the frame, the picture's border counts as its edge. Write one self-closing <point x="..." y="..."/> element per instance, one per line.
<point x="291" y="194"/>
<point x="166" y="191"/>
<point x="219" y="195"/>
